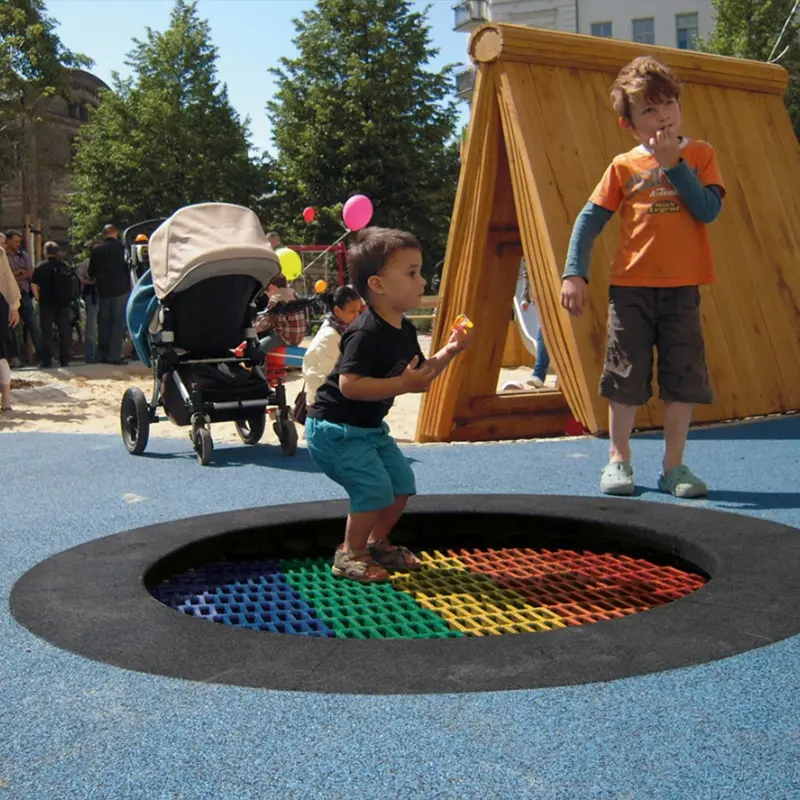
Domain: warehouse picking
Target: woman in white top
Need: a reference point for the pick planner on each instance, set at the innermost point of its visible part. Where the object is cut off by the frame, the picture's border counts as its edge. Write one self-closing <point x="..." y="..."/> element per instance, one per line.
<point x="9" y="318"/>
<point x="321" y="356"/>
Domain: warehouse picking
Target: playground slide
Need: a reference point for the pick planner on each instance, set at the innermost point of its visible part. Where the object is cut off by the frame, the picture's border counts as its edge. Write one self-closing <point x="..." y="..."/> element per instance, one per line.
<point x="527" y="321"/>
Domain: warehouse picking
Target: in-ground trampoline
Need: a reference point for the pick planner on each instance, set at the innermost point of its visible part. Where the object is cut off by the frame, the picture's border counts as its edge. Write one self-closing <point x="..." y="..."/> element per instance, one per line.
<point x="516" y="591"/>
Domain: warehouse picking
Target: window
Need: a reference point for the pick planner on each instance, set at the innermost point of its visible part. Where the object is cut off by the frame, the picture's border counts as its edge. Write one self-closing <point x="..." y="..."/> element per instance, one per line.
<point x="686" y="25"/>
<point x="470" y="11"/>
<point x="601" y="29"/>
<point x="644" y="31"/>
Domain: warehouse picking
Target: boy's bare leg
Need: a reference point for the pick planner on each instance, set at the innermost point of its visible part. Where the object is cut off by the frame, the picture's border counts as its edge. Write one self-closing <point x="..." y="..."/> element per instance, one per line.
<point x="387" y="519"/>
<point x="620" y="425"/>
<point x="677" y="417"/>
<point x="387" y="554"/>
<point x="358" y="530"/>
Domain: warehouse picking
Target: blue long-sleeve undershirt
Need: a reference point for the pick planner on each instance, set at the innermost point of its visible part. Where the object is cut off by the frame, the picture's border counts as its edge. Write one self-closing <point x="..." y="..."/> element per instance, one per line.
<point x="704" y="204"/>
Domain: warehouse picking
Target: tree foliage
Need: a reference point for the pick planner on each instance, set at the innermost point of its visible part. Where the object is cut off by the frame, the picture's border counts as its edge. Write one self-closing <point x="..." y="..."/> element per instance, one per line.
<point x="750" y="29"/>
<point x="34" y="66"/>
<point x="358" y="111"/>
<point x="165" y="137"/>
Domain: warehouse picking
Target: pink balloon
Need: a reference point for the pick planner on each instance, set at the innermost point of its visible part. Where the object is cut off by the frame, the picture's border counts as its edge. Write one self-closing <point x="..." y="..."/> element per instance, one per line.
<point x="357" y="212"/>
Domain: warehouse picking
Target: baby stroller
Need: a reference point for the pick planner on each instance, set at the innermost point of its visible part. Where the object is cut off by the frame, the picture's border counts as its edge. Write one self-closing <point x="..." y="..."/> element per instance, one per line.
<point x="191" y="317"/>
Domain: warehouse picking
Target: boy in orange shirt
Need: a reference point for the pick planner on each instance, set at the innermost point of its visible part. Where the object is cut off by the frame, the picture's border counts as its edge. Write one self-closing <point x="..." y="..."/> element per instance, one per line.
<point x="667" y="190"/>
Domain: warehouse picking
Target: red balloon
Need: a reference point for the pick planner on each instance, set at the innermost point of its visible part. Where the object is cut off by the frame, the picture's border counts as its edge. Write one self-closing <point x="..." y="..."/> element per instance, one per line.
<point x="309" y="214"/>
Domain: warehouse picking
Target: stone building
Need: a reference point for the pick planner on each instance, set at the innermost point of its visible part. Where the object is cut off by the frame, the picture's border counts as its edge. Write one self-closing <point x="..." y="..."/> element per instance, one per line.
<point x="42" y="191"/>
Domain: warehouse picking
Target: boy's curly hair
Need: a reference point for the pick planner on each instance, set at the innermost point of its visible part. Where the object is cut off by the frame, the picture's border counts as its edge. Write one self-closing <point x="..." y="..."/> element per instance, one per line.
<point x="647" y="78"/>
<point x="369" y="250"/>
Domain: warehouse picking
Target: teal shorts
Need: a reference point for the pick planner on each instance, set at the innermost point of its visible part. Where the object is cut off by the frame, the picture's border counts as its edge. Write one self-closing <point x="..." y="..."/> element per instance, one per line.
<point x="365" y="461"/>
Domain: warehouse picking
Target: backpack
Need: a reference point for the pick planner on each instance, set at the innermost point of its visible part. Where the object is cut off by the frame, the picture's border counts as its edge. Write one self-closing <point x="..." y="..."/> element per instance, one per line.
<point x="66" y="285"/>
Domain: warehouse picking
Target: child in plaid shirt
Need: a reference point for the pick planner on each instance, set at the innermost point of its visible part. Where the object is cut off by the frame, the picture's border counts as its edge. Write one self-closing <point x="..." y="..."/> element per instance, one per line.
<point x="279" y="326"/>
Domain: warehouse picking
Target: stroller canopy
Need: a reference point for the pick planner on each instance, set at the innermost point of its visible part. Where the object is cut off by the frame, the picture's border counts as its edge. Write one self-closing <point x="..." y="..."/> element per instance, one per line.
<point x="209" y="239"/>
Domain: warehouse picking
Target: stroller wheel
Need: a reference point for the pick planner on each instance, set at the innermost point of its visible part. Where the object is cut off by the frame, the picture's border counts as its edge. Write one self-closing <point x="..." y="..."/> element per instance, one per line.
<point x="134" y="417"/>
<point x="251" y="430"/>
<point x="203" y="446"/>
<point x="286" y="431"/>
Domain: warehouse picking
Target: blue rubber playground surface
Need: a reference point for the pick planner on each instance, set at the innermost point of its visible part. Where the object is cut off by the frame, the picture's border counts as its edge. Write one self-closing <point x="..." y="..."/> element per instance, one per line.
<point x="74" y="728"/>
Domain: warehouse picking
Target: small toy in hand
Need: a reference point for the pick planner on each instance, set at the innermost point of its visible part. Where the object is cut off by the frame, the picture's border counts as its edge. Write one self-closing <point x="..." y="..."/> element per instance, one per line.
<point x="462" y="320"/>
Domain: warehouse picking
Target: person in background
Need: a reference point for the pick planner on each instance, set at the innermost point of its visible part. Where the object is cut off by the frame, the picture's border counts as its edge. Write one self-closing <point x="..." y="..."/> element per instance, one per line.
<point x="344" y="305"/>
<point x="9" y="318"/>
<point x="56" y="282"/>
<point x="91" y="304"/>
<point x="22" y="268"/>
<point x="277" y="328"/>
<point x="274" y="240"/>
<point x="107" y="266"/>
<point x="537" y="379"/>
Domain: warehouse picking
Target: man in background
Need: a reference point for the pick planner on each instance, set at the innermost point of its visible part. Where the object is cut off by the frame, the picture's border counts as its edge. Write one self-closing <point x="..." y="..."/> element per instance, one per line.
<point x="22" y="268"/>
<point x="113" y="282"/>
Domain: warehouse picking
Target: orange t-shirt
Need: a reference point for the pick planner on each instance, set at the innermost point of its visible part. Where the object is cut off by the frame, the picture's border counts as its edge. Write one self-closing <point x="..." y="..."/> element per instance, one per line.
<point x="661" y="243"/>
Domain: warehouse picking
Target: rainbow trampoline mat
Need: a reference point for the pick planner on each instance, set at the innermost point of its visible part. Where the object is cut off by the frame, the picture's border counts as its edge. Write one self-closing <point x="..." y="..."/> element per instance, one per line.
<point x="457" y="593"/>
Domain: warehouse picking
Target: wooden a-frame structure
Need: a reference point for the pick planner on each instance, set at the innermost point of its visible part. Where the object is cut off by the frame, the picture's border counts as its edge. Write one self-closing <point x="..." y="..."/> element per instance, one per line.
<point x="541" y="134"/>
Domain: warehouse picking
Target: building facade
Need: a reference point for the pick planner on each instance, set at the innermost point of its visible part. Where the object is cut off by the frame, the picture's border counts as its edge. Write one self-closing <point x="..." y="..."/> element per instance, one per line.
<point x="667" y="23"/>
<point x="37" y="193"/>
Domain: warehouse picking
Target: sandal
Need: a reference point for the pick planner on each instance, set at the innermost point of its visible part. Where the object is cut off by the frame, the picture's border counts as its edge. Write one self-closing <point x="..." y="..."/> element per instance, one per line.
<point x="362" y="568"/>
<point x="682" y="482"/>
<point x="393" y="556"/>
<point x="617" y="479"/>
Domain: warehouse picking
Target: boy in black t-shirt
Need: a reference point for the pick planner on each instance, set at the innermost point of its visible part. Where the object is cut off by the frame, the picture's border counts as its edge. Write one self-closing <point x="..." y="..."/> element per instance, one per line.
<point x="345" y="429"/>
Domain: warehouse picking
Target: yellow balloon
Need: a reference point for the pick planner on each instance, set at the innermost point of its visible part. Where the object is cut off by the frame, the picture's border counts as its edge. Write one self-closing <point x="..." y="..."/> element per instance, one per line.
<point x="320" y="286"/>
<point x="291" y="264"/>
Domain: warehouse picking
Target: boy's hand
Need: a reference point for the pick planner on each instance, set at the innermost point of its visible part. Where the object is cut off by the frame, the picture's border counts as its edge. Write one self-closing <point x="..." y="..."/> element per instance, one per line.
<point x="416" y="381"/>
<point x="666" y="148"/>
<point x="459" y="339"/>
<point x="574" y="295"/>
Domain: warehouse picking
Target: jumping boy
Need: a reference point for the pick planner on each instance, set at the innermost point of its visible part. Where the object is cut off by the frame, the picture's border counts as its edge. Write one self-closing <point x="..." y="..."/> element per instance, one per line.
<point x="380" y="358"/>
<point x="667" y="190"/>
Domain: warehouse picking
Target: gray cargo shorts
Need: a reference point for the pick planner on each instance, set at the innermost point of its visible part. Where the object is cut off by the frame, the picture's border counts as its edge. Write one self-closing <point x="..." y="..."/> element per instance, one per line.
<point x="641" y="318"/>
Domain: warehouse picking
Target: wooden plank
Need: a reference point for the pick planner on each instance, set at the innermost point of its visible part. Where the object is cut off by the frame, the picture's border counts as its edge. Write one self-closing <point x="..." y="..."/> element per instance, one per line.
<point x="734" y="274"/>
<point x="533" y="179"/>
<point x="469" y="280"/>
<point x="550" y="93"/>
<point x="538" y="402"/>
<point x="510" y="43"/>
<point x="780" y="141"/>
<point x="724" y="337"/>
<point x="464" y="262"/>
<point x="765" y="250"/>
<point x="515" y="354"/>
<point x="494" y="293"/>
<point x="511" y="426"/>
<point x="429" y="301"/>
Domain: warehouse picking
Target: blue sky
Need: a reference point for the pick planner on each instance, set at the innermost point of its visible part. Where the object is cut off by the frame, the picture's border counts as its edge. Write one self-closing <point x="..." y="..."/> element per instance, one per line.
<point x="251" y="35"/>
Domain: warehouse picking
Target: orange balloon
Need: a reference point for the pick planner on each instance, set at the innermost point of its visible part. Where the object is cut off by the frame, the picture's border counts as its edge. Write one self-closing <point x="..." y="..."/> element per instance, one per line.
<point x="320" y="286"/>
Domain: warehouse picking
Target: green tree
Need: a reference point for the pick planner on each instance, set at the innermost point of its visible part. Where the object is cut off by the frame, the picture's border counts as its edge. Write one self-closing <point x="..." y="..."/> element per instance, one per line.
<point x="34" y="66"/>
<point x="165" y="137"/>
<point x="751" y="29"/>
<point x="358" y="111"/>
